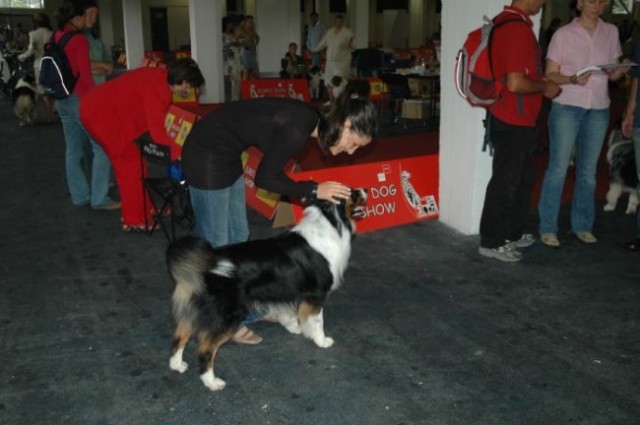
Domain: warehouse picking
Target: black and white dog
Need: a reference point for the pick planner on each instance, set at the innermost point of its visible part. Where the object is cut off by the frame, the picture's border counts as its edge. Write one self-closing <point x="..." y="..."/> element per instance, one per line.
<point x="24" y="100"/>
<point x="290" y="276"/>
<point x="622" y="172"/>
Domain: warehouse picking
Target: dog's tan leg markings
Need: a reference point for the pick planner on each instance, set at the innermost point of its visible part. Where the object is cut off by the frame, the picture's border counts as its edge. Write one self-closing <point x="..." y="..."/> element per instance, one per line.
<point x="180" y="338"/>
<point x="312" y="324"/>
<point x="207" y="353"/>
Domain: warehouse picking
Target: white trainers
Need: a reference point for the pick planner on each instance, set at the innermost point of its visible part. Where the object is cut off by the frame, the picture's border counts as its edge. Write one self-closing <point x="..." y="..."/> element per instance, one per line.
<point x="506" y="253"/>
<point x="525" y="241"/>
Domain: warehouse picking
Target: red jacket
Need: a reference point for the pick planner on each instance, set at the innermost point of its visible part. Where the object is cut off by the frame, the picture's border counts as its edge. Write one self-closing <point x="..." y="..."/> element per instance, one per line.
<point x="119" y="111"/>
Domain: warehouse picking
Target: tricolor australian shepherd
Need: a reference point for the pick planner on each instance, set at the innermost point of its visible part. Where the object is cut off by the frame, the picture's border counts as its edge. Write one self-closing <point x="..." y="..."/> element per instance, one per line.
<point x="289" y="276"/>
<point x="622" y="172"/>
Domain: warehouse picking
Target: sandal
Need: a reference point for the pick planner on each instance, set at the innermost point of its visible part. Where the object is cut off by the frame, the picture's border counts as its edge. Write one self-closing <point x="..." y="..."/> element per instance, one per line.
<point x="633" y="245"/>
<point x="139" y="228"/>
<point x="244" y="335"/>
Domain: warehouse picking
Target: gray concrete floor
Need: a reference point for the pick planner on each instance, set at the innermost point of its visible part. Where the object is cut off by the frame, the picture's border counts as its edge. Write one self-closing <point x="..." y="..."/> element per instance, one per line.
<point x="427" y="331"/>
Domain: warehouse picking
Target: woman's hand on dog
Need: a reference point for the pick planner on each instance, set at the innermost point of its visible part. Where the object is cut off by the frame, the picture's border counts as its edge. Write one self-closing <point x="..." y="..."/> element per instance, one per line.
<point x="333" y="191"/>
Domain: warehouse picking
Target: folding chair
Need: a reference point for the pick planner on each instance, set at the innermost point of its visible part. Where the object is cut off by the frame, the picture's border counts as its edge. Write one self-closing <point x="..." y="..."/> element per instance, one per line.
<point x="398" y="92"/>
<point x="165" y="185"/>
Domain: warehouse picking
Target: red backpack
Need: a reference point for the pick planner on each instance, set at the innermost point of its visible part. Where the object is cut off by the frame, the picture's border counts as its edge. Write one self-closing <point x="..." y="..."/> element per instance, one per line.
<point x="473" y="71"/>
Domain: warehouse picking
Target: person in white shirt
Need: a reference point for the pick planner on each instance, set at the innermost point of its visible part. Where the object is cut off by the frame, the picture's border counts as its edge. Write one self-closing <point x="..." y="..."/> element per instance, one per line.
<point x="339" y="42"/>
<point x="37" y="39"/>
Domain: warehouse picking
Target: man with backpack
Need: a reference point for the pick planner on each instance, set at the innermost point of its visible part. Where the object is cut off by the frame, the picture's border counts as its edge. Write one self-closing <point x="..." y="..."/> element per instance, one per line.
<point x="516" y="61"/>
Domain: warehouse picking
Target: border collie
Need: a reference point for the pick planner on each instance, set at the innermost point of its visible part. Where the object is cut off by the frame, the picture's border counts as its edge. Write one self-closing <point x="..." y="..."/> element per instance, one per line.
<point x="622" y="172"/>
<point x="288" y="276"/>
<point x="24" y="100"/>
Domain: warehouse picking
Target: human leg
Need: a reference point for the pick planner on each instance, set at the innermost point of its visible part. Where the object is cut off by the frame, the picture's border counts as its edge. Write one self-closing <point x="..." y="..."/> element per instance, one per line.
<point x="74" y="138"/>
<point x="564" y="124"/>
<point x="502" y="215"/>
<point x="316" y="59"/>
<point x="636" y="147"/>
<point x="588" y="147"/>
<point x="128" y="172"/>
<point x="49" y="108"/>
<point x="238" y="222"/>
<point x="211" y="211"/>
<point x="521" y="207"/>
<point x="100" y="176"/>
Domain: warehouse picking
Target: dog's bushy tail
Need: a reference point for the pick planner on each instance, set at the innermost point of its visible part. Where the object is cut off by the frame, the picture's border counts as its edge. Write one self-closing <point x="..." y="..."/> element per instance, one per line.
<point x="188" y="259"/>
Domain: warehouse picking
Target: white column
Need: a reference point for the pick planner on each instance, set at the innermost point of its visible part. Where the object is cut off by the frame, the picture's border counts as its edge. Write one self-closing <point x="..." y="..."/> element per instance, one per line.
<point x="133" y="36"/>
<point x="278" y="23"/>
<point x="358" y="11"/>
<point x="106" y="23"/>
<point x="205" y="22"/>
<point x="417" y="22"/>
<point x="464" y="169"/>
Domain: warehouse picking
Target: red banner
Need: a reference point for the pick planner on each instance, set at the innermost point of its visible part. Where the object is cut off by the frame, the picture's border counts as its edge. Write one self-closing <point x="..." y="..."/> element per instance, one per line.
<point x="261" y="200"/>
<point x="178" y="123"/>
<point x="399" y="191"/>
<point x="271" y="87"/>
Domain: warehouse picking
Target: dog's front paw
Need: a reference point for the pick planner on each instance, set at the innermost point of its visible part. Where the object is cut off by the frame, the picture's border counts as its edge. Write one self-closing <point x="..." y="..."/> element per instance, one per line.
<point x="213" y="383"/>
<point x="609" y="207"/>
<point x="324" y="342"/>
<point x="631" y="210"/>
<point x="178" y="365"/>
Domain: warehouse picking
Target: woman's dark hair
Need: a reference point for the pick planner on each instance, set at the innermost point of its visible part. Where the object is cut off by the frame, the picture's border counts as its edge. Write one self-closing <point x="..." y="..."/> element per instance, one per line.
<point x="69" y="10"/>
<point x="185" y="70"/>
<point x="354" y="105"/>
<point x="41" y="20"/>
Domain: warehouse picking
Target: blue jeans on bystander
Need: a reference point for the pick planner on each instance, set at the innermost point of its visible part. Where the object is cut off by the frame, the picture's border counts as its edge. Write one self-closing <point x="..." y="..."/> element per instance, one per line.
<point x="584" y="129"/>
<point x="221" y="214"/>
<point x="75" y="137"/>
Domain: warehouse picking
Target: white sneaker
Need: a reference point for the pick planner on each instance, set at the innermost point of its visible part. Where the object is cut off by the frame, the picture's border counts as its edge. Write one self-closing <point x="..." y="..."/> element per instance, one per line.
<point x="506" y="253"/>
<point x="525" y="241"/>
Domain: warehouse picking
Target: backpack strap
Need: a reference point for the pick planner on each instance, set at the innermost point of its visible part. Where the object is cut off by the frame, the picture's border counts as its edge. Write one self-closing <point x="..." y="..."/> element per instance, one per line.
<point x="64" y="39"/>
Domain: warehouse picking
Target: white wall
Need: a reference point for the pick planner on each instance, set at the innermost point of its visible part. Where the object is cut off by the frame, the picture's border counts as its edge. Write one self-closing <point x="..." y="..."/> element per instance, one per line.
<point x="278" y="23"/>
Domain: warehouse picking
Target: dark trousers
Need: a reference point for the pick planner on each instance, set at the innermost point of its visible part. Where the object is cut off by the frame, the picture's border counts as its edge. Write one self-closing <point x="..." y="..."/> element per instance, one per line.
<point x="506" y="204"/>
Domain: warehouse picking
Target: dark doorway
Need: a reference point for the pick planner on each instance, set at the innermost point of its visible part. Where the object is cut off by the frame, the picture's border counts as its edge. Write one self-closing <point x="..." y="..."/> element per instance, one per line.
<point x="159" y="29"/>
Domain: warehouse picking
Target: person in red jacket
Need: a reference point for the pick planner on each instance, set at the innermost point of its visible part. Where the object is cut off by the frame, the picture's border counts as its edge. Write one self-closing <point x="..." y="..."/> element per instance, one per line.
<point x="121" y="110"/>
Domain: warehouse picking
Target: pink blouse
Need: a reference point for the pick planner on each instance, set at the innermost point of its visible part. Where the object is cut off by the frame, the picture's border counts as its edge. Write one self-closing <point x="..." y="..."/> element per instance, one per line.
<point x="573" y="49"/>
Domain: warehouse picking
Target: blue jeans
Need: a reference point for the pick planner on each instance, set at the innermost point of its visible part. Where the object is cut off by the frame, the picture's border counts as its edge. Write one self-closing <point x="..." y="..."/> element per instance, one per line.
<point x="636" y="147"/>
<point x="221" y="215"/>
<point x="75" y="138"/>
<point x="584" y="129"/>
<point x="316" y="59"/>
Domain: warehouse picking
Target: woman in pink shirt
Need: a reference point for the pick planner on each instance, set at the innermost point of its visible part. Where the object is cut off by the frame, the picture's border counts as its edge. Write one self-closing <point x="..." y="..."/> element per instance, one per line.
<point x="579" y="117"/>
<point x="71" y="17"/>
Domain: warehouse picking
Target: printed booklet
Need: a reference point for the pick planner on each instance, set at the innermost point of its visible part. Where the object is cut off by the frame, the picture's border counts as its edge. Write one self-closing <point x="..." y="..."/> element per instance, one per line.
<point x="607" y="67"/>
